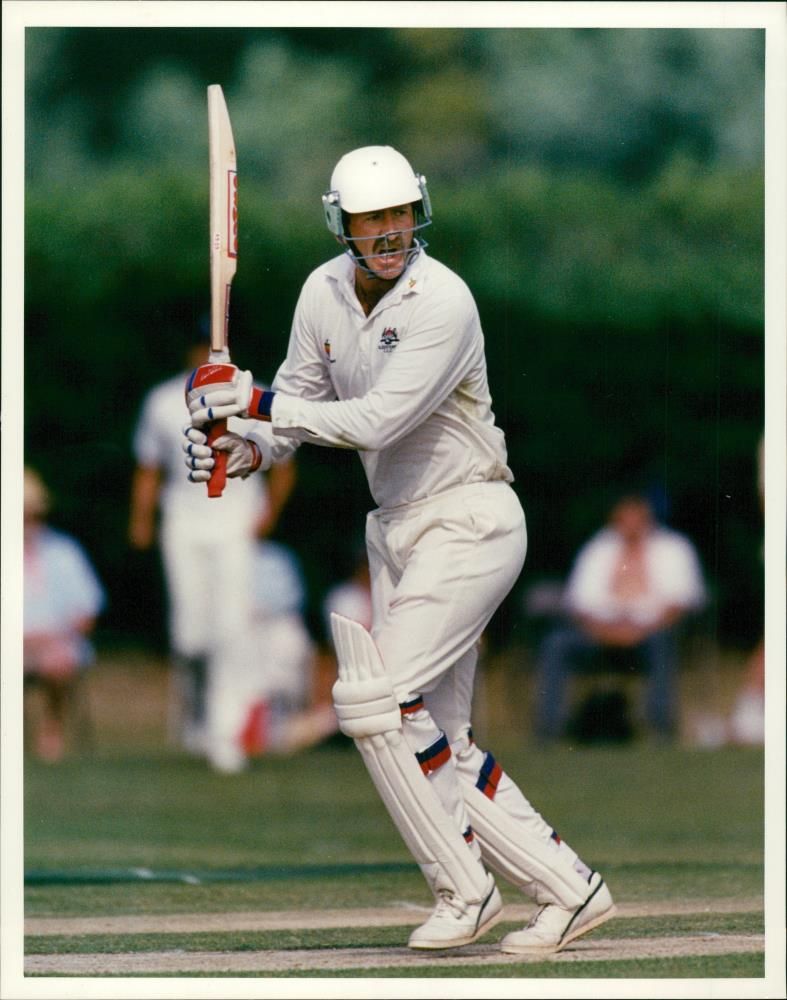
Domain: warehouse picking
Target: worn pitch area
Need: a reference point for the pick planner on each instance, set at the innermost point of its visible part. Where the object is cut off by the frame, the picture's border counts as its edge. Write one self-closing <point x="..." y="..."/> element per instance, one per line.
<point x="594" y="947"/>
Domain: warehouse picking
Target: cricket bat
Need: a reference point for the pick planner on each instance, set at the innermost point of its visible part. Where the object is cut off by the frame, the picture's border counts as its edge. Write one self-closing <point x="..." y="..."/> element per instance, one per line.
<point x="223" y="251"/>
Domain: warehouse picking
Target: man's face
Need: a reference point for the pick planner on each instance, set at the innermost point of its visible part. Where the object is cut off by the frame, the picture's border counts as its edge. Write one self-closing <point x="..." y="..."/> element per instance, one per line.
<point x="387" y="232"/>
<point x="633" y="519"/>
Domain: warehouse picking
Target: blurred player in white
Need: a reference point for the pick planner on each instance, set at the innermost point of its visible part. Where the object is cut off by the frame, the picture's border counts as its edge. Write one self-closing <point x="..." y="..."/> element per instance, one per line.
<point x="386" y="357"/>
<point x="207" y="557"/>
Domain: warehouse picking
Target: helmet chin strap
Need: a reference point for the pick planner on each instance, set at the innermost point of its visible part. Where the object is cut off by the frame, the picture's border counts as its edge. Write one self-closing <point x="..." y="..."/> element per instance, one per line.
<point x="418" y="245"/>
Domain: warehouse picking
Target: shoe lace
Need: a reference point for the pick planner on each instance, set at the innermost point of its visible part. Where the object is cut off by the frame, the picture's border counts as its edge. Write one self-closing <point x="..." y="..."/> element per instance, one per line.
<point x="447" y="903"/>
<point x="537" y="916"/>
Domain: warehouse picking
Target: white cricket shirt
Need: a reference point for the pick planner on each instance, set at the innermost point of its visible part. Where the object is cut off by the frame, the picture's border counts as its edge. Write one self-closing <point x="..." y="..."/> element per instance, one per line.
<point x="405" y="386"/>
<point x="673" y="571"/>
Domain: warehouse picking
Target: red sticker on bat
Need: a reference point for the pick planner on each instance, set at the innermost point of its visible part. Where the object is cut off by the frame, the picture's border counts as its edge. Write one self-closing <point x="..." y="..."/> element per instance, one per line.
<point x="232" y="208"/>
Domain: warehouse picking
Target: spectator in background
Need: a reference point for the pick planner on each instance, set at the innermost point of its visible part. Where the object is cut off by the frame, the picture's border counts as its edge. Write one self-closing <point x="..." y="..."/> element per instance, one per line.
<point x="747" y="719"/>
<point x="631" y="586"/>
<point x="317" y="722"/>
<point x="286" y="731"/>
<point x="62" y="600"/>
<point x="351" y="597"/>
<point x="276" y="683"/>
<point x="206" y="556"/>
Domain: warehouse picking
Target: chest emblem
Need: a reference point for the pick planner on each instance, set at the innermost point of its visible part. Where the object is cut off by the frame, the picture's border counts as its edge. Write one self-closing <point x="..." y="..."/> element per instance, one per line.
<point x="388" y="340"/>
<point x="327" y="349"/>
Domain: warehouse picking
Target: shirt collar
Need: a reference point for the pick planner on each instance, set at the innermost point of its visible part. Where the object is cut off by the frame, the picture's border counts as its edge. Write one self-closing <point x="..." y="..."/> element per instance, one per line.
<point x="342" y="270"/>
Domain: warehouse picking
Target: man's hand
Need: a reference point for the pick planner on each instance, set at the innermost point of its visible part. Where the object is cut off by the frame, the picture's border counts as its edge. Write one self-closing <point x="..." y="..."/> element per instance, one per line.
<point x="215" y="392"/>
<point x="622" y="634"/>
<point x="243" y="456"/>
<point x="145" y="488"/>
<point x="51" y="655"/>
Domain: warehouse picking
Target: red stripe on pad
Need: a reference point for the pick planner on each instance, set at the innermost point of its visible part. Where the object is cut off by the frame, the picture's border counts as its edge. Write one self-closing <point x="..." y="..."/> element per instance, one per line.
<point x="433" y="763"/>
<point x="493" y="779"/>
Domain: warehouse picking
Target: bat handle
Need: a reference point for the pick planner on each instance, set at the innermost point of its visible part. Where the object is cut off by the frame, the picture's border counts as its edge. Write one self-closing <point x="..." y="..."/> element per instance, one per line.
<point x="218" y="477"/>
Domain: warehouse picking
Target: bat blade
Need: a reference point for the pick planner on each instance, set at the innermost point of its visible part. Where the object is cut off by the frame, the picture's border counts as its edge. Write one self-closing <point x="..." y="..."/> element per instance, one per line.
<point x="223" y="250"/>
<point x="223" y="217"/>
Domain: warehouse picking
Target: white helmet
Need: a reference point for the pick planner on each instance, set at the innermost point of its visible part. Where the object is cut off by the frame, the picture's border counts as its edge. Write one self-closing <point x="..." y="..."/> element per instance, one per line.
<point x="371" y="178"/>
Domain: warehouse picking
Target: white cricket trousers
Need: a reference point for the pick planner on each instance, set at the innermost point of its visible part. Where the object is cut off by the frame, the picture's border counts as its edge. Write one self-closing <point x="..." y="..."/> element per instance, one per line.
<point x="210" y="584"/>
<point x="440" y="568"/>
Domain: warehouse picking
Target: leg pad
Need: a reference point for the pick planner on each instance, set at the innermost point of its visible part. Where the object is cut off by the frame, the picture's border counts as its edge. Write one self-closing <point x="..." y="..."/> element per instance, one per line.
<point x="514" y="838"/>
<point x="368" y="711"/>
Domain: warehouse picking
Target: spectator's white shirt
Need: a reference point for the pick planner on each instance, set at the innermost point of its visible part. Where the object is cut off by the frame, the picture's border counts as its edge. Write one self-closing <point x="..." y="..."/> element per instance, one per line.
<point x="405" y="386"/>
<point x="351" y="600"/>
<point x="673" y="573"/>
<point x="278" y="582"/>
<point x="61" y="588"/>
<point x="158" y="443"/>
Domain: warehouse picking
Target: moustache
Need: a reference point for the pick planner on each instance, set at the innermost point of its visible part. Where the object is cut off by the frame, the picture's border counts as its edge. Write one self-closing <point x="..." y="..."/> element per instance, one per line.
<point x="389" y="245"/>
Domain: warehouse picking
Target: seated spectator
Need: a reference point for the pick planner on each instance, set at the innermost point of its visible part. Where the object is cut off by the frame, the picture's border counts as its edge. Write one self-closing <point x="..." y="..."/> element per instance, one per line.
<point x="747" y="719"/>
<point x="631" y="586"/>
<point x="318" y="724"/>
<point x="62" y="599"/>
<point x="351" y="597"/>
<point x="256" y="702"/>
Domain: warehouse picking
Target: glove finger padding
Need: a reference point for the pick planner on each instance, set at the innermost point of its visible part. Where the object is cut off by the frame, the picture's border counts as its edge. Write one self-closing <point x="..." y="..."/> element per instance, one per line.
<point x="211" y="395"/>
<point x="206" y="412"/>
<point x="198" y="454"/>
<point x="243" y="456"/>
<point x="193" y="435"/>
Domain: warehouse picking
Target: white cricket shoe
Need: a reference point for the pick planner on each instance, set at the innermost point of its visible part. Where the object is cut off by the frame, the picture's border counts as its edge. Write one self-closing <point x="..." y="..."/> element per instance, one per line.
<point x="455" y="923"/>
<point x="553" y="927"/>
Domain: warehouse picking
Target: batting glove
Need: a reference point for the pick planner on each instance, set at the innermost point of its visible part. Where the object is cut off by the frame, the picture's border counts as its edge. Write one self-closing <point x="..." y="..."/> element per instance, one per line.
<point x="215" y="392"/>
<point x="243" y="455"/>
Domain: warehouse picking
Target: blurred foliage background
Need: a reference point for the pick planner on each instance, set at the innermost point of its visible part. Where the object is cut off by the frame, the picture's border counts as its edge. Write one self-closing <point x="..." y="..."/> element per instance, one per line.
<point x="600" y="190"/>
